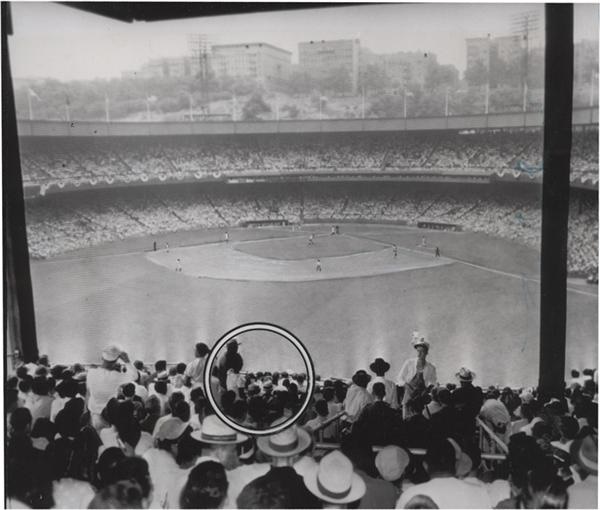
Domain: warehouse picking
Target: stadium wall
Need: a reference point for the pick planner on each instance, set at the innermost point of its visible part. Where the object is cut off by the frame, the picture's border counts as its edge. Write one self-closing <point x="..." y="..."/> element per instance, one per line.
<point x="42" y="128"/>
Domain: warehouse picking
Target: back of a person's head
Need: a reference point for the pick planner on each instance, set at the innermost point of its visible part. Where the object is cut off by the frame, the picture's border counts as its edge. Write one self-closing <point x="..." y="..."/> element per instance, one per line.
<point x="25" y="384"/>
<point x="182" y="411"/>
<point x="568" y="427"/>
<point x="543" y="488"/>
<point x="239" y="409"/>
<point x="524" y="454"/>
<point x="138" y="364"/>
<point x="321" y="407"/>
<point x="105" y="465"/>
<point x="133" y="469"/>
<point x="196" y="394"/>
<point x="40" y="386"/>
<point x="175" y="397"/>
<point x="29" y="482"/>
<point x="22" y="372"/>
<point x="227" y="400"/>
<point x="440" y="457"/>
<point x="257" y="409"/>
<point x="45" y="428"/>
<point x="121" y="494"/>
<point x="444" y="396"/>
<point x="152" y="405"/>
<point x="160" y="365"/>
<point x="265" y="492"/>
<point x="379" y="390"/>
<point x="160" y="387"/>
<point x="575" y="373"/>
<point x="328" y="393"/>
<point x="202" y="349"/>
<point x="12" y="383"/>
<point x="128" y="390"/>
<point x="420" y="501"/>
<point x="180" y="368"/>
<point x="206" y="486"/>
<point x="20" y="419"/>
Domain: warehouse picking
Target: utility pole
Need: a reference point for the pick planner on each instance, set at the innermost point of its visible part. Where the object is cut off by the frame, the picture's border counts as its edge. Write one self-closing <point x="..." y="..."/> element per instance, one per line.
<point x="199" y="46"/>
<point x="525" y="25"/>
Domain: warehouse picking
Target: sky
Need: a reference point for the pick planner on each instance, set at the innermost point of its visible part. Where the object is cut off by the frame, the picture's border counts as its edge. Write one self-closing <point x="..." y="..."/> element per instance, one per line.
<point x="55" y="41"/>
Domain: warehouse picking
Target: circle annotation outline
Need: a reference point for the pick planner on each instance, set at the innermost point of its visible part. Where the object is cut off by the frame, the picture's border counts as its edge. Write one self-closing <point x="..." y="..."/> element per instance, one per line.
<point x="273" y="328"/>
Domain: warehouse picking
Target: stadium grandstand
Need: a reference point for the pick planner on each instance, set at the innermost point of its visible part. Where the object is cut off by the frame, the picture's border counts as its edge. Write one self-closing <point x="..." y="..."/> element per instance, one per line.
<point x="403" y="256"/>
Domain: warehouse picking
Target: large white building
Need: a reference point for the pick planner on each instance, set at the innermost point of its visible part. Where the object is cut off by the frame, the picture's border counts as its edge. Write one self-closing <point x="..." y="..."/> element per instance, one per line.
<point x="258" y="61"/>
<point x="317" y="58"/>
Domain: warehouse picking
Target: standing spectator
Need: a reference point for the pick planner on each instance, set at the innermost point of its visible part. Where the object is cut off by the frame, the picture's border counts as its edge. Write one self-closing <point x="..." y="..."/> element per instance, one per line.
<point x="231" y="360"/>
<point x="379" y="367"/>
<point x="467" y="400"/>
<point x="104" y="382"/>
<point x="194" y="372"/>
<point x="416" y="374"/>
<point x="41" y="402"/>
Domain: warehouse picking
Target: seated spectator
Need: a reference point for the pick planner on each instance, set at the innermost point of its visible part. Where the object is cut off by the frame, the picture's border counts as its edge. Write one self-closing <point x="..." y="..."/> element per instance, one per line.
<point x="107" y="461"/>
<point x="568" y="429"/>
<point x="122" y="494"/>
<point x="219" y="441"/>
<point x="206" y="486"/>
<point x="41" y="402"/>
<point x="171" y="461"/>
<point x="152" y="414"/>
<point x="357" y="397"/>
<point x="174" y="400"/>
<point x="444" y="488"/>
<point x="334" y="481"/>
<point x="584" y="453"/>
<point x="378" y="423"/>
<point x="378" y="493"/>
<point x="392" y="463"/>
<point x="322" y="410"/>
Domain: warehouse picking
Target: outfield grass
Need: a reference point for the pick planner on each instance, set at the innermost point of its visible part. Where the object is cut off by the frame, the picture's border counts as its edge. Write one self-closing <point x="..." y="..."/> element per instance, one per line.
<point x="483" y="314"/>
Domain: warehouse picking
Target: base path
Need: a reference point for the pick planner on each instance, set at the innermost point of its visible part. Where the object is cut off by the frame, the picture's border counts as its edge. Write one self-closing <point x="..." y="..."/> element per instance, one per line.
<point x="229" y="261"/>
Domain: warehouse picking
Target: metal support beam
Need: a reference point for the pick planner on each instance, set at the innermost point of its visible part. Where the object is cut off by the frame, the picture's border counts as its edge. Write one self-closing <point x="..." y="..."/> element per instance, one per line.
<point x="558" y="107"/>
<point x="19" y="323"/>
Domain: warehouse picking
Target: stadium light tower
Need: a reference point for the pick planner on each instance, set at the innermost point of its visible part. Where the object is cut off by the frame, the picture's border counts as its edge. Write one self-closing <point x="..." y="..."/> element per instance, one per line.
<point x="526" y="25"/>
<point x="199" y="46"/>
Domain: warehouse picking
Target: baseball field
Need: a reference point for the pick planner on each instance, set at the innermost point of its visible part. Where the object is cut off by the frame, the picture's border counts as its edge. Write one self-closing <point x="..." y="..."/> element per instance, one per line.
<point x="477" y="303"/>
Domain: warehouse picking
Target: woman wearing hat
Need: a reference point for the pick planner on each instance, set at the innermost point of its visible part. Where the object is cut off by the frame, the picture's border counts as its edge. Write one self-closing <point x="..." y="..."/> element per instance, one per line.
<point x="416" y="374"/>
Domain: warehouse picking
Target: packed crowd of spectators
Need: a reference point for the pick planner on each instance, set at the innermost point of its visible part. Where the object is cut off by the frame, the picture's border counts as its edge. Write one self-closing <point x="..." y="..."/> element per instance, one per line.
<point x="57" y="225"/>
<point x="91" y="161"/>
<point x="123" y="434"/>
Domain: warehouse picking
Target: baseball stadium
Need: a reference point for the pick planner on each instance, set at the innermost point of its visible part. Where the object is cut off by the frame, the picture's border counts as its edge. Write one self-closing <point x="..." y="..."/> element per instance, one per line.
<point x="160" y="235"/>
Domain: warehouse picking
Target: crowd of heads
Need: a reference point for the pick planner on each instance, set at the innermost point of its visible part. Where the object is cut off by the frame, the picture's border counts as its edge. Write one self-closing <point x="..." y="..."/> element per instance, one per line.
<point x="57" y="225"/>
<point x="129" y="435"/>
<point x="137" y="160"/>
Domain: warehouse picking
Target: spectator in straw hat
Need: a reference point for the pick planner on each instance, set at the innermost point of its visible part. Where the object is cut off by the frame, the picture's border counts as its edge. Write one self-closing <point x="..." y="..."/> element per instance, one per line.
<point x="103" y="382"/>
<point x="219" y="441"/>
<point x="584" y="453"/>
<point x="334" y="481"/>
<point x="467" y="401"/>
<point x="416" y="374"/>
<point x="379" y="367"/>
<point x="285" y="451"/>
<point x="391" y="463"/>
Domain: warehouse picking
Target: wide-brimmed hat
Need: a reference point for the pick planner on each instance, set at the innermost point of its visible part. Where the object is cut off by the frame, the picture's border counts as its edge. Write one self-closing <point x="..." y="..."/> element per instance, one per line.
<point x="171" y="429"/>
<point x="361" y="378"/>
<point x="463" y="464"/>
<point x="286" y="443"/>
<point x="379" y="365"/>
<point x="465" y="375"/>
<point x="215" y="431"/>
<point x="585" y="453"/>
<point x="334" y="480"/>
<point x="391" y="462"/>
<point x="418" y="340"/>
<point x="111" y="353"/>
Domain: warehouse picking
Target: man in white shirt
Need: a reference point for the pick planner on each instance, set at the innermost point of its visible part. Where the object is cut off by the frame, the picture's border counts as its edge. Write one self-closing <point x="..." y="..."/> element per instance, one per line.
<point x="444" y="488"/>
<point x="357" y="397"/>
<point x="194" y="372"/>
<point x="104" y="382"/>
<point x="379" y="367"/>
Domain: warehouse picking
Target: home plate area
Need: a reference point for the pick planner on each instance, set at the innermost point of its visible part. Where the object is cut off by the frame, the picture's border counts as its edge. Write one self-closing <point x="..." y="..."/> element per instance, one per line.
<point x="293" y="259"/>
